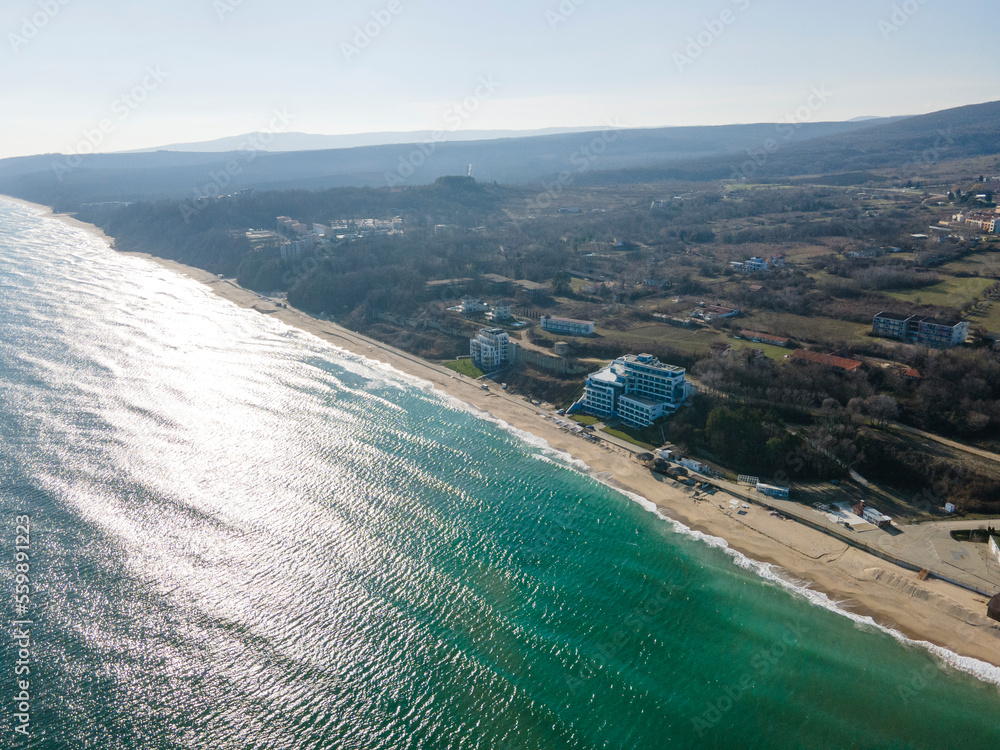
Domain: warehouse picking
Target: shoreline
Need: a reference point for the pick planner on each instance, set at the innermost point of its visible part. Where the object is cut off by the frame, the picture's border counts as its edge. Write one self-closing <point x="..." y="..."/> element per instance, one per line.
<point x="859" y="584"/>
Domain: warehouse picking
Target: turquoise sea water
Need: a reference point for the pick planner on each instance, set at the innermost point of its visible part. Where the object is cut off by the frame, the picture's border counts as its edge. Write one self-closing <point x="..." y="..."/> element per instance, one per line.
<point x="243" y="538"/>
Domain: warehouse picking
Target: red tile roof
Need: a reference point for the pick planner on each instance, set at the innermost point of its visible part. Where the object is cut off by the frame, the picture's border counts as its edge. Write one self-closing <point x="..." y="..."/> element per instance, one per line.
<point x="841" y="363"/>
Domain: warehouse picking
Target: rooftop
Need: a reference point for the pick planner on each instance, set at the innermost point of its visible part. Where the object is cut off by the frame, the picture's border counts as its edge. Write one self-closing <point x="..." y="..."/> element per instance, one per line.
<point x="650" y="361"/>
<point x="841" y="363"/>
<point x="607" y="375"/>
<point x="893" y="316"/>
<point x="566" y="320"/>
<point x="918" y="319"/>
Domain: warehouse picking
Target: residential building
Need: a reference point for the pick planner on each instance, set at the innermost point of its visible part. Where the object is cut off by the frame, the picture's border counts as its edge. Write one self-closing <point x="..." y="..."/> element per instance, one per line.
<point x="917" y="329"/>
<point x="689" y="463"/>
<point x="491" y="349"/>
<point x="829" y="360"/>
<point x="764" y="338"/>
<point x="638" y="389"/>
<point x="472" y="305"/>
<point x="500" y="311"/>
<point x="758" y="265"/>
<point x="567" y="326"/>
<point x="709" y="313"/>
<point x="890" y="325"/>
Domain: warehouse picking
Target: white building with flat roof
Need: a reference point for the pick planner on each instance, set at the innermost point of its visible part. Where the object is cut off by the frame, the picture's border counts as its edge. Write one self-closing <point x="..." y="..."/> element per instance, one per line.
<point x="567" y="326"/>
<point x="638" y="389"/>
<point x="491" y="349"/>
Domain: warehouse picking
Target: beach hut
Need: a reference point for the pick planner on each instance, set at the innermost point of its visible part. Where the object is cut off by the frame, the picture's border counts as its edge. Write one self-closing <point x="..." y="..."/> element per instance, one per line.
<point x="993" y="610"/>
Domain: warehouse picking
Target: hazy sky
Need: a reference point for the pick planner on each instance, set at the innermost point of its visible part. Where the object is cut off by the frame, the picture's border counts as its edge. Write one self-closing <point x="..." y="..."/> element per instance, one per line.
<point x="125" y="74"/>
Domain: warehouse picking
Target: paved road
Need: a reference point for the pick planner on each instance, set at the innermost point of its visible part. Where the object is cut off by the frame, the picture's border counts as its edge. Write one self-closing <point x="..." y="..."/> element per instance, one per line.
<point x="921" y="546"/>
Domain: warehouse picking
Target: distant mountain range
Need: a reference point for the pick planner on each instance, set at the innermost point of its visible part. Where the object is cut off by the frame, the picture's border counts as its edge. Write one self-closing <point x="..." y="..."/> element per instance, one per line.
<point x="909" y="146"/>
<point x="284" y="142"/>
<point x="554" y="162"/>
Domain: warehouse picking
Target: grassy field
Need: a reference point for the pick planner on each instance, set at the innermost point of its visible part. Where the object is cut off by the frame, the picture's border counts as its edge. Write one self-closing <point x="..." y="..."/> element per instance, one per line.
<point x="953" y="292"/>
<point x="771" y="352"/>
<point x="983" y="264"/>
<point x="631" y="436"/>
<point x="465" y="367"/>
<point x="694" y="340"/>
<point x="803" y="328"/>
<point x="584" y="419"/>
<point x="805" y="252"/>
<point x="987" y="316"/>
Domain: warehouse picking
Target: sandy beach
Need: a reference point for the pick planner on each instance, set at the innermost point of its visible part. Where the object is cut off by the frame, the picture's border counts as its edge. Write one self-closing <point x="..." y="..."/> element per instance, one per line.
<point x="930" y="610"/>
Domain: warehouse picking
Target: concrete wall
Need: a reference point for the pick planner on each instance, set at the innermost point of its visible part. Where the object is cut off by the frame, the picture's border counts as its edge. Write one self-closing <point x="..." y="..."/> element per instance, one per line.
<point x="556" y="365"/>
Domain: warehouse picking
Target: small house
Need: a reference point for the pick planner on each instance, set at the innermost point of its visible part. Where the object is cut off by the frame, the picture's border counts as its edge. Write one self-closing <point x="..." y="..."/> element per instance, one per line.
<point x="876" y="518"/>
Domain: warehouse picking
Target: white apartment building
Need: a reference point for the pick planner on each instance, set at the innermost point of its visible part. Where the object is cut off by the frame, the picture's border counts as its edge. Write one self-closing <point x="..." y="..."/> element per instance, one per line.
<point x="638" y="389"/>
<point x="567" y="326"/>
<point x="491" y="349"/>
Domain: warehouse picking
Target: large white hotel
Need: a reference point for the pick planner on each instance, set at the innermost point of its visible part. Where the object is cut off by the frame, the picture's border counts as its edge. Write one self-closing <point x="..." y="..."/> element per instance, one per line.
<point x="637" y="389"/>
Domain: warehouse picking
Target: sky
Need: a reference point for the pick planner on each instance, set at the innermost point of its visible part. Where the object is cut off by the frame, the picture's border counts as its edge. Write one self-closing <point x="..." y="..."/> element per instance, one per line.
<point x="112" y="75"/>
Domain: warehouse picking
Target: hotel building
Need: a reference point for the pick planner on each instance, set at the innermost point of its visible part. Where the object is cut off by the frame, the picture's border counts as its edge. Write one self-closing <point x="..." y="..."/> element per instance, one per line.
<point x="637" y="389"/>
<point x="915" y="329"/>
<point x="491" y="349"/>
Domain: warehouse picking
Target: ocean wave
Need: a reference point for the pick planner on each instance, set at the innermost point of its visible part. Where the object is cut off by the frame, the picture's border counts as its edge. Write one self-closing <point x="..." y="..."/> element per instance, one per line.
<point x="983" y="671"/>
